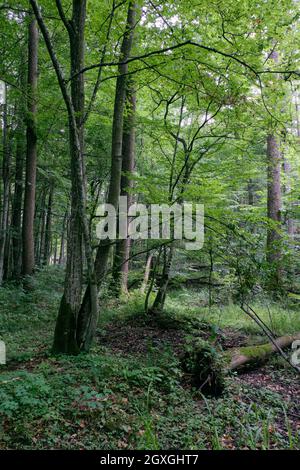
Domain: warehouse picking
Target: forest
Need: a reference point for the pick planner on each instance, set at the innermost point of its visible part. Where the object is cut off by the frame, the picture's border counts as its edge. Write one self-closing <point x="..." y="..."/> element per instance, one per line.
<point x="149" y="234"/>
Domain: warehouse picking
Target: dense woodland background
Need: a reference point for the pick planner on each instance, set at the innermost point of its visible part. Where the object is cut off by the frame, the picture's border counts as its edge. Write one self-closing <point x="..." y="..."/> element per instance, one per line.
<point x="142" y="343"/>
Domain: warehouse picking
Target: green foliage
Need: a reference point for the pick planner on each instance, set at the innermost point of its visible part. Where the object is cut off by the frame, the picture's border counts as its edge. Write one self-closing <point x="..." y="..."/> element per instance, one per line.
<point x="24" y="394"/>
<point x="206" y="367"/>
<point x="106" y="400"/>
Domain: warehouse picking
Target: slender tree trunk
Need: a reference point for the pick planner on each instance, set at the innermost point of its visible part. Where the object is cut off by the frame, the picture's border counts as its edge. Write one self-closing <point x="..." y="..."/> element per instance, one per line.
<point x="6" y="187"/>
<point x="147" y="273"/>
<point x="251" y="192"/>
<point x="274" y="161"/>
<point x="16" y="223"/>
<point x="31" y="155"/>
<point x="274" y="202"/>
<point x="287" y="190"/>
<point x="159" y="302"/>
<point x="102" y="255"/>
<point x="48" y="233"/>
<point x="168" y="252"/>
<point x="40" y="218"/>
<point x="62" y="240"/>
<point x="121" y="259"/>
<point x="55" y="251"/>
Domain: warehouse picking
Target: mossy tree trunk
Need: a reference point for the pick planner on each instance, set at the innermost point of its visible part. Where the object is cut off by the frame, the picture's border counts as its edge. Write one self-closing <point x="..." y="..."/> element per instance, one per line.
<point x="257" y="354"/>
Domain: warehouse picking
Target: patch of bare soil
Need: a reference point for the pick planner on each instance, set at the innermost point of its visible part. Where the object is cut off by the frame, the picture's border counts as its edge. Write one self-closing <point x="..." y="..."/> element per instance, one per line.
<point x="231" y="338"/>
<point x="131" y="339"/>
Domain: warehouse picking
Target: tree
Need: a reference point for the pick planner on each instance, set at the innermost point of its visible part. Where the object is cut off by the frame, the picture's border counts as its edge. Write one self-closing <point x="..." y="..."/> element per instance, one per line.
<point x="31" y="153"/>
<point x="274" y="162"/>
<point x="65" y="340"/>
<point x="6" y="185"/>
<point x="86" y="326"/>
<point x="121" y="259"/>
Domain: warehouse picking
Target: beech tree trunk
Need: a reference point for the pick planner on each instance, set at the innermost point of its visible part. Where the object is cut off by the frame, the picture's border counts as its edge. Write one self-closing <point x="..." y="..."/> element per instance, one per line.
<point x="47" y="250"/>
<point x="103" y="252"/>
<point x="274" y="160"/>
<point x="16" y="220"/>
<point x="31" y="154"/>
<point x="121" y="259"/>
<point x="274" y="202"/>
<point x="5" y="193"/>
<point x="40" y="223"/>
<point x="287" y="190"/>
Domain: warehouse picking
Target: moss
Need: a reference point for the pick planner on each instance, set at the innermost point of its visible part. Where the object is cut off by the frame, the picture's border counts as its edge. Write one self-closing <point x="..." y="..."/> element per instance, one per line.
<point x="256" y="352"/>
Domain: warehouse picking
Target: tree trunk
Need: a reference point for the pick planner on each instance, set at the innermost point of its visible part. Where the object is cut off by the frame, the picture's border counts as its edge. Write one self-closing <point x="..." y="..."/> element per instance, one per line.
<point x="121" y="259"/>
<point x="65" y="340"/>
<point x="168" y="252"/>
<point x="287" y="190"/>
<point x="102" y="256"/>
<point x="41" y="229"/>
<point x="65" y="336"/>
<point x="159" y="302"/>
<point x="274" y="203"/>
<point x="47" y="250"/>
<point x="274" y="160"/>
<point x="147" y="273"/>
<point x="256" y="354"/>
<point x="31" y="154"/>
<point x="62" y="240"/>
<point x="16" y="222"/>
<point x="6" y="191"/>
<point x="54" y="251"/>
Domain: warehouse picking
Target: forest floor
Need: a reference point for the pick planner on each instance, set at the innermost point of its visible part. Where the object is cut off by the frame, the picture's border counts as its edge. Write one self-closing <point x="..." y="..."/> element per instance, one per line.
<point x="130" y="392"/>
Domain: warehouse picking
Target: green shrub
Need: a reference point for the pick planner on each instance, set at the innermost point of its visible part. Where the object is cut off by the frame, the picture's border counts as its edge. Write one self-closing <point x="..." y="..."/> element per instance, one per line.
<point x="205" y="365"/>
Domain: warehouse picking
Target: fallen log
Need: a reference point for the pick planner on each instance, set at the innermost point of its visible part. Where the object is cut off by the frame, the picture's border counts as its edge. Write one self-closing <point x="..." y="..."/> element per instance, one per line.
<point x="239" y="357"/>
<point x="207" y="366"/>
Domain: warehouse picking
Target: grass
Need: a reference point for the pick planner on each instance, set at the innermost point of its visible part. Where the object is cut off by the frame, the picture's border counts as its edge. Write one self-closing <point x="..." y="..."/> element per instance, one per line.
<point x="105" y="400"/>
<point x="282" y="319"/>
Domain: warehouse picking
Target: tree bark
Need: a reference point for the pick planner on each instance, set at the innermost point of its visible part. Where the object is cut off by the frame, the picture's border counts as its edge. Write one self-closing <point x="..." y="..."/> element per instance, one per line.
<point x="65" y="336"/>
<point x="62" y="240"/>
<point x="274" y="160"/>
<point x="16" y="222"/>
<point x="257" y="354"/>
<point x="287" y="190"/>
<point x="159" y="302"/>
<point x="147" y="273"/>
<point x="65" y="331"/>
<point x="40" y="224"/>
<point x="31" y="154"/>
<point x="48" y="232"/>
<point x="274" y="201"/>
<point x="121" y="259"/>
<point x="6" y="191"/>
<point x="102" y="256"/>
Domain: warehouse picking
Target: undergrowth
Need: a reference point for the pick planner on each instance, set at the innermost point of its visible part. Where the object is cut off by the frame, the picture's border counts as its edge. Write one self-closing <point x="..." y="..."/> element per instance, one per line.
<point x="104" y="400"/>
